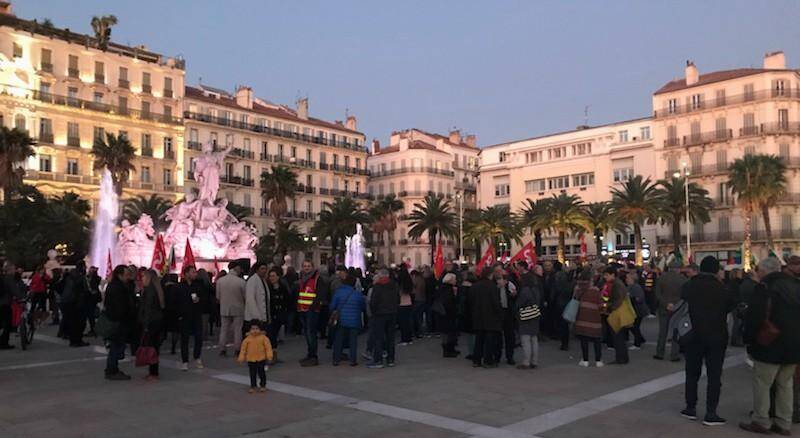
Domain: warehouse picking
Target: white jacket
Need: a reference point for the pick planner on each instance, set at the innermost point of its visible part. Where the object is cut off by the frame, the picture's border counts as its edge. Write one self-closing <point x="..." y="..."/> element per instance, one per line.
<point x="256" y="300"/>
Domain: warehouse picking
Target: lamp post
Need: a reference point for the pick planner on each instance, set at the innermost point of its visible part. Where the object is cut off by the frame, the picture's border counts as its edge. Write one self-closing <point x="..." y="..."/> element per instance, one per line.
<point x="685" y="173"/>
<point x="460" y="200"/>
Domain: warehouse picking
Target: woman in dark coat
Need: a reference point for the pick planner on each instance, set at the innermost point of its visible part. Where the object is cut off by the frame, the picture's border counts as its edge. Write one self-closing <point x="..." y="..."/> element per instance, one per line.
<point x="171" y="305"/>
<point x="448" y="323"/>
<point x="465" y="314"/>
<point x="279" y="304"/>
<point x="589" y="320"/>
<point x="120" y="309"/>
<point x="151" y="316"/>
<point x="487" y="319"/>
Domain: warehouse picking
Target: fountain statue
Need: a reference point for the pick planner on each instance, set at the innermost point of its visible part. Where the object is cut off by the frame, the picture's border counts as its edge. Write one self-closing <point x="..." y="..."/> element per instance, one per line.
<point x="135" y="242"/>
<point x="354" y="250"/>
<point x="103" y="235"/>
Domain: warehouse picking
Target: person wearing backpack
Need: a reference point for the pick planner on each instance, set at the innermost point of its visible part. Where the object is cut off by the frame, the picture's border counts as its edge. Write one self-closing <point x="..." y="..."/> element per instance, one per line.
<point x="772" y="336"/>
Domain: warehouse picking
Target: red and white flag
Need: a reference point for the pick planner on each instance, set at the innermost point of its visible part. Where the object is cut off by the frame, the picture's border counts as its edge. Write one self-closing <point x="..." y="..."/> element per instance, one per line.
<point x="438" y="261"/>
<point x="527" y="253"/>
<point x="488" y="257"/>
<point x="159" y="255"/>
<point x="188" y="257"/>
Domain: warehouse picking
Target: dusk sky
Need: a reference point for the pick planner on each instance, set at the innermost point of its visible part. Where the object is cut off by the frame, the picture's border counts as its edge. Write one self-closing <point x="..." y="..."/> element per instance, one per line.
<point x="502" y="70"/>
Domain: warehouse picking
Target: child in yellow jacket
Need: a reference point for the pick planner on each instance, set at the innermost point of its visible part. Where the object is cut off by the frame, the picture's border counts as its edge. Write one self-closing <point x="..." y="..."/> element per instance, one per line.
<point x="256" y="350"/>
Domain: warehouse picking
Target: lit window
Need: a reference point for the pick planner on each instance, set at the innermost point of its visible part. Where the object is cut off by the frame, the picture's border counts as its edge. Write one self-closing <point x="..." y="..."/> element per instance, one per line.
<point x="17" y="50"/>
<point x="72" y="166"/>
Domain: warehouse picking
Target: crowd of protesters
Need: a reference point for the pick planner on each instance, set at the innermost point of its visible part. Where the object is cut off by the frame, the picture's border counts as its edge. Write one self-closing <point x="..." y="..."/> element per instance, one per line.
<point x="498" y="314"/>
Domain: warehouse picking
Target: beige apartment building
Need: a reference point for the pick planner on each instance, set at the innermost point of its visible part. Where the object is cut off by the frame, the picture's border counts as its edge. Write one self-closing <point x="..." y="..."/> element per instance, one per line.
<point x="706" y="121"/>
<point x="587" y="161"/>
<point x="417" y="163"/>
<point x="66" y="91"/>
<point x="329" y="158"/>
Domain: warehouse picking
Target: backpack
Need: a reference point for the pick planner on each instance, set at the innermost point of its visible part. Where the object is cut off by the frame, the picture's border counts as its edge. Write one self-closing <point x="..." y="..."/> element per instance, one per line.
<point x="681" y="321"/>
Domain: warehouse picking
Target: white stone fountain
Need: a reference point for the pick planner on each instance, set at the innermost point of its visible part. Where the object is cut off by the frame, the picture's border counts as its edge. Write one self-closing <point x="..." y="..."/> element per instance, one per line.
<point x="354" y="250"/>
<point x="103" y="236"/>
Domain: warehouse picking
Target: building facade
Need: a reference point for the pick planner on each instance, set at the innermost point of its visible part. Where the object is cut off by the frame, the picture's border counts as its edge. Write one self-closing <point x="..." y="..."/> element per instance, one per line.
<point x="706" y="121"/>
<point x="65" y="91"/>
<point x="417" y="163"/>
<point x="329" y="158"/>
<point x="588" y="162"/>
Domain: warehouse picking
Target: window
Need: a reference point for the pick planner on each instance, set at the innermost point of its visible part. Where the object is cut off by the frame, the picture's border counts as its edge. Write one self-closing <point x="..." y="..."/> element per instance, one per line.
<point x="45" y="163"/>
<point x="72" y="96"/>
<point x="246" y="172"/>
<point x="46" y="129"/>
<point x="98" y="97"/>
<point x="99" y="134"/>
<point x="167" y="177"/>
<point x="722" y="159"/>
<point x="228" y="139"/>
<point x="502" y="190"/>
<point x="72" y="70"/>
<point x="783" y="119"/>
<point x="72" y="166"/>
<point x="750" y="150"/>
<point x="309" y="206"/>
<point x="724" y="225"/>
<point x="749" y="124"/>
<point x="721" y="125"/>
<point x="73" y="134"/>
<point x="583" y="179"/>
<point x="145" y="174"/>
<point x="167" y="112"/>
<point x="779" y="88"/>
<point x="672" y="135"/>
<point x="560" y="182"/>
<point x="358" y="162"/>
<point x="720" y="97"/>
<point x="749" y="92"/>
<point x="167" y="144"/>
<point x="145" y="109"/>
<point x="786" y="224"/>
<point x="672" y="163"/>
<point x="17" y="50"/>
<point x="622" y="175"/>
<point x="146" y="85"/>
<point x="697" y="162"/>
<point x="645" y="132"/>
<point x="784" y="151"/>
<point x="19" y="122"/>
<point x="530" y="157"/>
<point x="294" y="152"/>
<point x="535" y="185"/>
<point x="724" y="195"/>
<point x="194" y="135"/>
<point x="99" y="72"/>
<point x="556" y="153"/>
<point x="44" y="90"/>
<point x="123" y="105"/>
<point x="167" y="87"/>
<point x="581" y="149"/>
<point x="323" y="159"/>
<point x="147" y="142"/>
<point x="123" y="77"/>
<point x="503" y="157"/>
<point x="697" y="101"/>
<point x="623" y="136"/>
<point x="695" y="130"/>
<point x="46" y="63"/>
<point x="213" y="137"/>
<point x="672" y="106"/>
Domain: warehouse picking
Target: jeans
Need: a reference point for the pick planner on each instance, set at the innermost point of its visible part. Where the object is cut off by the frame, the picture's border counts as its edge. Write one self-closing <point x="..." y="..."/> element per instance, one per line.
<point x="485" y="347"/>
<point x="228" y="325"/>
<point x="404" y="315"/>
<point x="638" y="339"/>
<point x="275" y="329"/>
<point x="342" y="333"/>
<point x="509" y="338"/>
<point x="663" y="326"/>
<point x="191" y="326"/>
<point x="621" y="347"/>
<point x="420" y="313"/>
<point x="116" y="352"/>
<point x="713" y="356"/>
<point x="257" y="369"/>
<point x="598" y="348"/>
<point x="382" y="329"/>
<point x="39" y="301"/>
<point x="764" y="375"/>
<point x="530" y="349"/>
<point x="310" y="319"/>
<point x="75" y="322"/>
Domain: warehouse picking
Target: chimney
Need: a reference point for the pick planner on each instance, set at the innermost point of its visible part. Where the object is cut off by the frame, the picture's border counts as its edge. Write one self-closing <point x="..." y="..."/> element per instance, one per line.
<point x="376" y="146"/>
<point x="302" y="108"/>
<point x="471" y="140"/>
<point x="351" y="123"/>
<point x="6" y="9"/>
<point x="455" y="136"/>
<point x="775" y="61"/>
<point x="692" y="76"/>
<point x="244" y="97"/>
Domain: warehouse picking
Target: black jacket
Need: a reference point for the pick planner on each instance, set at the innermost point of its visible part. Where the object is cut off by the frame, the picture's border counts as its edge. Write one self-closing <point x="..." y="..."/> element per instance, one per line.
<point x="449" y="300"/>
<point x="485" y="307"/>
<point x="709" y="303"/>
<point x="151" y="314"/>
<point x="119" y="307"/>
<point x="187" y="308"/>
<point x="783" y="291"/>
<point x="385" y="299"/>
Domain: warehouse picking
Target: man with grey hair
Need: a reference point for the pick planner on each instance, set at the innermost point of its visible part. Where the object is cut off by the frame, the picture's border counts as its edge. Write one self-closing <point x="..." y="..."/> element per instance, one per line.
<point x="668" y="292"/>
<point x="775" y="303"/>
<point x="383" y="304"/>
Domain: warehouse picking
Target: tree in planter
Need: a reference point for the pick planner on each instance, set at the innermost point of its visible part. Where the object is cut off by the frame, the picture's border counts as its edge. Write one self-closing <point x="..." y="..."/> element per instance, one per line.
<point x="672" y="196"/>
<point x="15" y="147"/>
<point x="435" y="217"/>
<point x="635" y="203"/>
<point x="116" y="154"/>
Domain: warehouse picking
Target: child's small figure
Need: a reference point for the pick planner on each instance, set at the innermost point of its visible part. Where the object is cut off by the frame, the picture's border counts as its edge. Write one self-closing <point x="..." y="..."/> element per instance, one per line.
<point x="256" y="350"/>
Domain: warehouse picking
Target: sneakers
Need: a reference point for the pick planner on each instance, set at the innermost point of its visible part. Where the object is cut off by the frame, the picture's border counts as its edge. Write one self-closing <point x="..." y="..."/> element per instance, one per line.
<point x="754" y="428"/>
<point x="119" y="375"/>
<point x="713" y="420"/>
<point x="634" y="348"/>
<point x="262" y="389"/>
<point x="780" y="431"/>
<point x="599" y="364"/>
<point x="309" y="362"/>
<point x="390" y="364"/>
<point x="251" y="391"/>
<point x="657" y="357"/>
<point x="583" y="363"/>
<point x="185" y="366"/>
<point x="689" y="413"/>
<point x="523" y="367"/>
<point x="199" y="364"/>
<point x="375" y="365"/>
<point x="403" y="344"/>
<point x="366" y="356"/>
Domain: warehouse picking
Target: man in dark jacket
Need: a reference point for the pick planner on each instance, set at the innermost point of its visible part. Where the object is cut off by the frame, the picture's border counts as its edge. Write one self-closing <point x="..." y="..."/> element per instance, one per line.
<point x="487" y="319"/>
<point x="190" y="316"/>
<point x="120" y="310"/>
<point x="8" y="291"/>
<point x="776" y="299"/>
<point x="73" y="301"/>
<point x="668" y="292"/>
<point x="383" y="304"/>
<point x="709" y="303"/>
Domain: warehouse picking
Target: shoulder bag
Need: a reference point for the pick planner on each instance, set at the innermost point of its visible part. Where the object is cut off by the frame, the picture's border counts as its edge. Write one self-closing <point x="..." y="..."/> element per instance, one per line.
<point x="333" y="321"/>
<point x="768" y="332"/>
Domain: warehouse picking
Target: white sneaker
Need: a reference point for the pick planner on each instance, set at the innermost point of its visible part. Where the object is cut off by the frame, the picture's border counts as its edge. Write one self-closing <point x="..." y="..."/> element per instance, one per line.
<point x="599" y="364"/>
<point x="199" y="364"/>
<point x="634" y="348"/>
<point x="185" y="366"/>
<point x="583" y="363"/>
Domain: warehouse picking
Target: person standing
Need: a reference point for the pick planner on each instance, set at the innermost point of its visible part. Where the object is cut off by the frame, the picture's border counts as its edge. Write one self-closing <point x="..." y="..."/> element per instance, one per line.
<point x="8" y="291"/>
<point x="777" y="300"/>
<point x="151" y="316"/>
<point x="93" y="299"/>
<point x="448" y="296"/>
<point x="119" y="308"/>
<point x="639" y="302"/>
<point x="350" y="305"/>
<point x="73" y="301"/>
<point x="616" y="293"/>
<point x="256" y="350"/>
<point x="312" y="292"/>
<point x="383" y="303"/>
<point x="487" y="319"/>
<point x="508" y="334"/>
<point x="230" y="293"/>
<point x="668" y="293"/>
<point x="419" y="303"/>
<point x="256" y="297"/>
<point x="405" y="311"/>
<point x="190" y="316"/>
<point x="279" y="303"/>
<point x="589" y="320"/>
<point x="528" y="298"/>
<point x="709" y="302"/>
<point x="38" y="289"/>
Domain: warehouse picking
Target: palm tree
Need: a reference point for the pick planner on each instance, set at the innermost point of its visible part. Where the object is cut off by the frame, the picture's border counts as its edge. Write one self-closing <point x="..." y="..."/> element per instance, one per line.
<point x="434" y="216"/>
<point x="384" y="218"/>
<point x="338" y="220"/>
<point x="116" y="154"/>
<point x="634" y="204"/>
<point x="277" y="187"/>
<point x="102" y="29"/>
<point x="494" y="224"/>
<point x="758" y="181"/>
<point x="564" y="215"/>
<point x="240" y="212"/>
<point x="601" y="218"/>
<point x="153" y="206"/>
<point x="15" y="147"/>
<point x="533" y="215"/>
<point x="672" y="196"/>
<point x="282" y="238"/>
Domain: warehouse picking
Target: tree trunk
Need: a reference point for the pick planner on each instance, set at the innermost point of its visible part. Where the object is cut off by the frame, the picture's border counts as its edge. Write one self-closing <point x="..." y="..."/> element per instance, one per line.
<point x="676" y="235"/>
<point x="432" y="237"/>
<point x="637" y="236"/>
<point x="537" y="242"/>
<point x="560" y="249"/>
<point x="746" y="250"/>
<point x="389" y="246"/>
<point x="767" y="227"/>
<point x="598" y="243"/>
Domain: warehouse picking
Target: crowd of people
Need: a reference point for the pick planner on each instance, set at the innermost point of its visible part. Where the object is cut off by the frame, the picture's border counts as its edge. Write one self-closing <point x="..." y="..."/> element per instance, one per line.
<point x="498" y="314"/>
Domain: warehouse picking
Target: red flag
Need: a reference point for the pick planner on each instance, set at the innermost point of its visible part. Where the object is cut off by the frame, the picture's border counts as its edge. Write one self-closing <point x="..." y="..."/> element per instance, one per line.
<point x="159" y="255"/>
<point x="583" y="247"/>
<point x="488" y="257"/>
<point x="188" y="256"/>
<point x="438" y="261"/>
<point x="216" y="268"/>
<point x="109" y="266"/>
<point x="527" y="253"/>
<point x="173" y="264"/>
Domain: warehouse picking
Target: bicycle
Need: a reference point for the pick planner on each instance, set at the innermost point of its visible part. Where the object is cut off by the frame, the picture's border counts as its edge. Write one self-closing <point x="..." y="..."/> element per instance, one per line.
<point x="26" y="323"/>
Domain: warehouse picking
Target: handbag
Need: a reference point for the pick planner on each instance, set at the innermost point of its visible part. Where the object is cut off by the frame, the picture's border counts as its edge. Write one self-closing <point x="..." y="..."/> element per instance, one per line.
<point x="146" y="354"/>
<point x="570" y="313"/>
<point x="528" y="313"/>
<point x="623" y="316"/>
<point x="105" y="327"/>
<point x="768" y="332"/>
<point x="333" y="320"/>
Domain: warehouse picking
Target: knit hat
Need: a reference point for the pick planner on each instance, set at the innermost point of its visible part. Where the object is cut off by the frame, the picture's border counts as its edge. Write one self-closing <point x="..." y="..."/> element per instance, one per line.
<point x="709" y="265"/>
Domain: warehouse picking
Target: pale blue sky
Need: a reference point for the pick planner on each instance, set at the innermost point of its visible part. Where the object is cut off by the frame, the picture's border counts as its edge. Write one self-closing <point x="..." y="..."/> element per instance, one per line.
<point x="499" y="69"/>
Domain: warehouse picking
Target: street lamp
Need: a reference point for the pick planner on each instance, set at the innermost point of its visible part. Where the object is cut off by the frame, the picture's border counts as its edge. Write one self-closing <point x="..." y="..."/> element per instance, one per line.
<point x="459" y="197"/>
<point x="685" y="173"/>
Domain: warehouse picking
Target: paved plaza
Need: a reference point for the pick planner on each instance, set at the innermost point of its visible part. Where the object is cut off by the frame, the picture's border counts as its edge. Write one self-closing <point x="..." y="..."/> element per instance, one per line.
<point x="53" y="390"/>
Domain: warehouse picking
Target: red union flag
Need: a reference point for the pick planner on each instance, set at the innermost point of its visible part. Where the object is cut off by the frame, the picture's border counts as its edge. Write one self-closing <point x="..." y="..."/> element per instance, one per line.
<point x="159" y="255"/>
<point x="188" y="257"/>
<point x="109" y="266"/>
<point x="527" y="253"/>
<point x="438" y="261"/>
<point x="488" y="257"/>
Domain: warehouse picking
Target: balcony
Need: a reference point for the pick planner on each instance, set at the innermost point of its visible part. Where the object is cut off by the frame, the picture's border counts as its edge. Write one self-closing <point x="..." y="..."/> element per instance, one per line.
<point x="403" y="170"/>
<point x="62" y="177"/>
<point x="99" y="79"/>
<point x="46" y="137"/>
<point x="735" y="237"/>
<point x="707" y="137"/>
<point x="302" y="188"/>
<point x="413" y="194"/>
<point x="194" y="145"/>
<point x="241" y="153"/>
<point x="46" y="67"/>
<point x="73" y="141"/>
<point x="168" y="93"/>
<point x="169" y="155"/>
<point x="466" y="186"/>
<point x="74" y="73"/>
<point x="147" y="152"/>
<point x="147" y="89"/>
<point x="755" y="96"/>
<point x="55" y="99"/>
<point x="124" y="83"/>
